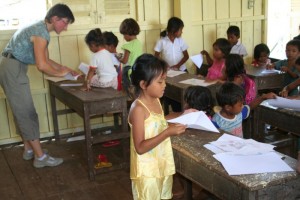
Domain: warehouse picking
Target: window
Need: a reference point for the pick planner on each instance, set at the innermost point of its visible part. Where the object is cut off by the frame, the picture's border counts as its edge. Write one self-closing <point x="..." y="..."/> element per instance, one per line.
<point x="16" y="13"/>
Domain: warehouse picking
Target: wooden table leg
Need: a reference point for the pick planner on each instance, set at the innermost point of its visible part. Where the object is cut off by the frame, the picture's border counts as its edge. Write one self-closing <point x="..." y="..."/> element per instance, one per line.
<point x="54" y="116"/>
<point x="88" y="140"/>
<point x="188" y="189"/>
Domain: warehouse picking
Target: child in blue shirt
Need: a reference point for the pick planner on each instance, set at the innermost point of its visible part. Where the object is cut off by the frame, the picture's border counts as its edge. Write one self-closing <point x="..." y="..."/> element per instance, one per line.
<point x="233" y="111"/>
<point x="288" y="65"/>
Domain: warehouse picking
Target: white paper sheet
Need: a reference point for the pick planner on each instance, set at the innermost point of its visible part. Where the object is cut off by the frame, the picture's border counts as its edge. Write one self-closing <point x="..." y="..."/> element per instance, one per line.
<point x="197" y="60"/>
<point x="172" y="73"/>
<point x="196" y="120"/>
<point x="69" y="76"/>
<point x="71" y="84"/>
<point x="194" y="81"/>
<point x="55" y="79"/>
<point x="66" y="77"/>
<point x="270" y="71"/>
<point x="252" y="164"/>
<point x="281" y="102"/>
<point x="243" y="147"/>
<point x="84" y="68"/>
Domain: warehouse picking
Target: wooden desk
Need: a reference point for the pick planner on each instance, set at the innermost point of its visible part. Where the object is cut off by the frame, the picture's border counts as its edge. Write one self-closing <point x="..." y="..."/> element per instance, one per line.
<point x="96" y="102"/>
<point x="285" y="119"/>
<point x="175" y="90"/>
<point x="265" y="81"/>
<point x="197" y="165"/>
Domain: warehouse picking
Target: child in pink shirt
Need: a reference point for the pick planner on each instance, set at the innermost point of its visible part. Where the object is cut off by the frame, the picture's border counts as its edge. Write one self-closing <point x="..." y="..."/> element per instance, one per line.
<point x="221" y="49"/>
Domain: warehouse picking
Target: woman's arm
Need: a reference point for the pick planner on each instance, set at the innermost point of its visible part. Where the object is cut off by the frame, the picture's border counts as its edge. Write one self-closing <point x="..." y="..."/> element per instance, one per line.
<point x="43" y="63"/>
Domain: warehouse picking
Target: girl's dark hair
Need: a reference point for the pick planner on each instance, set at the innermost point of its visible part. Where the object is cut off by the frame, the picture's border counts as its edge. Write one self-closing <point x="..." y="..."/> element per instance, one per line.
<point x="234" y="66"/>
<point x="146" y="68"/>
<point x="174" y="25"/>
<point x="129" y="27"/>
<point x="94" y="37"/>
<point x="224" y="45"/>
<point x="61" y="11"/>
<point x="110" y="39"/>
<point x="295" y="43"/>
<point x="200" y="98"/>
<point x="260" y="48"/>
<point x="229" y="94"/>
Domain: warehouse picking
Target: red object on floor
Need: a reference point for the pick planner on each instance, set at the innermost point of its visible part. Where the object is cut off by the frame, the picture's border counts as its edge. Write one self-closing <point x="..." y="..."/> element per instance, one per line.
<point x="111" y="143"/>
<point x="102" y="158"/>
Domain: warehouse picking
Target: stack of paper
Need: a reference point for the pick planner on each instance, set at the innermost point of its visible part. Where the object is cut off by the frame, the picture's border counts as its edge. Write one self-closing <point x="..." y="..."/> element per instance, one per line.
<point x="196" y="120"/>
<point x="246" y="156"/>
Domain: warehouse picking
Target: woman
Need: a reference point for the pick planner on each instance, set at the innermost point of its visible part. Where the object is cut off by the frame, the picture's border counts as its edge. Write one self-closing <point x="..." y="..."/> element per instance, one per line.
<point x="29" y="45"/>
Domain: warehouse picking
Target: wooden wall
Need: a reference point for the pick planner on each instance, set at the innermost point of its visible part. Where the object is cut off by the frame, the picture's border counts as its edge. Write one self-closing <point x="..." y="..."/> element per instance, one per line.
<point x="205" y="20"/>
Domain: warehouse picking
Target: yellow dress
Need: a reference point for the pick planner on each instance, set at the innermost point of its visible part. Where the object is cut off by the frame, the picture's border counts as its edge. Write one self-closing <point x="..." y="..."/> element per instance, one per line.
<point x="158" y="163"/>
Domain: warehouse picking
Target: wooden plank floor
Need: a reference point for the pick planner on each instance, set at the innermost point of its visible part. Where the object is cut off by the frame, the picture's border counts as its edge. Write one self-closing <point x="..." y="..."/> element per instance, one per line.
<point x="69" y="181"/>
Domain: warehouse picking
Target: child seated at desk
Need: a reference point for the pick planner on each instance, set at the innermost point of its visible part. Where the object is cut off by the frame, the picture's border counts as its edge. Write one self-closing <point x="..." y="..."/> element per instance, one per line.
<point x="102" y="72"/>
<point x="233" y="36"/>
<point x="111" y="42"/>
<point x="221" y="49"/>
<point x="230" y="98"/>
<point x="236" y="73"/>
<point x="199" y="98"/>
<point x="261" y="56"/>
<point x="294" y="85"/>
<point x="288" y="65"/>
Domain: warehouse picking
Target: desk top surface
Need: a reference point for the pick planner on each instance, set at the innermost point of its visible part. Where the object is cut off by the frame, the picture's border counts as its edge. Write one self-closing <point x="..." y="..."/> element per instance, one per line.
<point x="191" y="144"/>
<point x="176" y="79"/>
<point x="96" y="94"/>
<point x="257" y="72"/>
<point x="290" y="112"/>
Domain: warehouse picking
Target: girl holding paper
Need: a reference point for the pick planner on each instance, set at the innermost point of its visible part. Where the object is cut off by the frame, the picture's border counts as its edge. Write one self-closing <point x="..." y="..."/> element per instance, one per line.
<point x="151" y="156"/>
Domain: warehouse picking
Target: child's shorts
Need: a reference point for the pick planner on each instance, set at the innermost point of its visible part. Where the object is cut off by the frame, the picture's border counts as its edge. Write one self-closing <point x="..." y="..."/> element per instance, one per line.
<point x="152" y="188"/>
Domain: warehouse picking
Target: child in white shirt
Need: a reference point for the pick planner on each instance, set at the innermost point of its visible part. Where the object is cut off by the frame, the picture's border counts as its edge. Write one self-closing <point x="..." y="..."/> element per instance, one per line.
<point x="102" y="72"/>
<point x="233" y="36"/>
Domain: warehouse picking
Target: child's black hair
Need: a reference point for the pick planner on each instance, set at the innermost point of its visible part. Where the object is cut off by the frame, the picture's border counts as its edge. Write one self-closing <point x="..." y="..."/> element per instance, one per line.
<point x="295" y="43"/>
<point x="234" y="66"/>
<point x="94" y="37"/>
<point x="260" y="48"/>
<point x="224" y="45"/>
<point x="129" y="27"/>
<point x="229" y="94"/>
<point x="200" y="98"/>
<point x="110" y="38"/>
<point x="174" y="25"/>
<point x="235" y="30"/>
<point x="146" y="68"/>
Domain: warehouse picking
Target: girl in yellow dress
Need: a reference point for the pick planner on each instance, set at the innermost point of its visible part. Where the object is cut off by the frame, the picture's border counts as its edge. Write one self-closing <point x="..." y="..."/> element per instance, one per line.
<point x="151" y="156"/>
